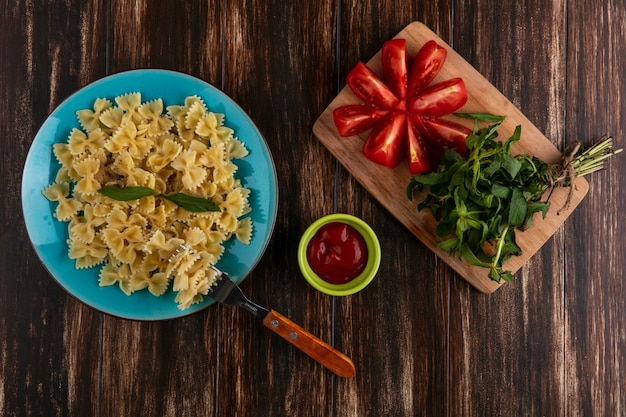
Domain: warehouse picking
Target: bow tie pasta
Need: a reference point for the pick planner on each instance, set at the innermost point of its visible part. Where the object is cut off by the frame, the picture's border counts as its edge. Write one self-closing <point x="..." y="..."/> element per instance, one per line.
<point x="150" y="243"/>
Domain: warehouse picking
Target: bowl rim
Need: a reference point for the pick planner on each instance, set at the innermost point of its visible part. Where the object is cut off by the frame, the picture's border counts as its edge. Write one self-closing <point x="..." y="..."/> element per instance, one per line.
<point x="373" y="259"/>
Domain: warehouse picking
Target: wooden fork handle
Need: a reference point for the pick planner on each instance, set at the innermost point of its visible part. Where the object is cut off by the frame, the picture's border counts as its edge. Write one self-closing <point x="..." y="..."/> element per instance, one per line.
<point x="319" y="350"/>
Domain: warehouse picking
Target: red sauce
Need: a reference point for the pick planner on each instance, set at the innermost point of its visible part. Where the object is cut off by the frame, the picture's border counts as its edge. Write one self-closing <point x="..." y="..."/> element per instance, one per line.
<point x="337" y="253"/>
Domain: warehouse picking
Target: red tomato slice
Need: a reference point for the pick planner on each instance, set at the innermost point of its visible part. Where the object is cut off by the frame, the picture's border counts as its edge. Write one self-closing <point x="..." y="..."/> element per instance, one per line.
<point x="445" y="133"/>
<point x="393" y="59"/>
<point x="419" y="155"/>
<point x="385" y="144"/>
<point x="403" y="110"/>
<point x="440" y="99"/>
<point x="368" y="86"/>
<point x="356" y="118"/>
<point x="426" y="66"/>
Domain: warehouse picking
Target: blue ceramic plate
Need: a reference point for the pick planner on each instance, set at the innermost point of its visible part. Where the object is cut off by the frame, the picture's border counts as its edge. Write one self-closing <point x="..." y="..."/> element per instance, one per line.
<point x="48" y="236"/>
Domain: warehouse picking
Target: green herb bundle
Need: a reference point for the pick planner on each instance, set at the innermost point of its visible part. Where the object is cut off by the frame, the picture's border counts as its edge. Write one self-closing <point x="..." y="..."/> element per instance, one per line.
<point x="479" y="200"/>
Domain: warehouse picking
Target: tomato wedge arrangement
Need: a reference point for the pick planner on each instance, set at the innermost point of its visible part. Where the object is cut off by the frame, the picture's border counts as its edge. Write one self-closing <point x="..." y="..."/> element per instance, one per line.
<point x="403" y="110"/>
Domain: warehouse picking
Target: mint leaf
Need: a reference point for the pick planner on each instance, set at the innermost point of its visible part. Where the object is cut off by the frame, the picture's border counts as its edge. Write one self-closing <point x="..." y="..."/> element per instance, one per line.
<point x="518" y="208"/>
<point x="481" y="117"/>
<point x="500" y="191"/>
<point x="511" y="165"/>
<point x="126" y="193"/>
<point x="191" y="203"/>
<point x="480" y="199"/>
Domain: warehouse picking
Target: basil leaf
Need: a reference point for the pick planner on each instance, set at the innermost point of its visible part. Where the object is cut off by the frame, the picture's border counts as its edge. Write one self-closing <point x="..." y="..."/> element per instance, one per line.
<point x="126" y="193"/>
<point x="185" y="201"/>
<point x="191" y="203"/>
<point x="481" y="117"/>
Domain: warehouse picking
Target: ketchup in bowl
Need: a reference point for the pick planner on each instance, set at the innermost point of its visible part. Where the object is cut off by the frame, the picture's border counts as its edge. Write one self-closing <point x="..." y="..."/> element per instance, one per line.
<point x="337" y="253"/>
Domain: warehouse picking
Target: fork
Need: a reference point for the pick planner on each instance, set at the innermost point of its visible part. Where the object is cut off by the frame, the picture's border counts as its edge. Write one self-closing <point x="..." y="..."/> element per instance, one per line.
<point x="225" y="291"/>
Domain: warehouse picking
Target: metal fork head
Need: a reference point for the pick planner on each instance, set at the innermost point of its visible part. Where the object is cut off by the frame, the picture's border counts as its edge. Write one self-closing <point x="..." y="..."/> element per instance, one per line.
<point x="224" y="290"/>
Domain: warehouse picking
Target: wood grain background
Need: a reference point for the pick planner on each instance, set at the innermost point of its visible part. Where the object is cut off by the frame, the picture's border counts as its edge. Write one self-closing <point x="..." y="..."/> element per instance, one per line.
<point x="424" y="341"/>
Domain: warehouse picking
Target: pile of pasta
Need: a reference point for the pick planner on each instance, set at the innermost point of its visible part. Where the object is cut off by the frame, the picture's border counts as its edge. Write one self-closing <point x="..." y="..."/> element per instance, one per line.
<point x="150" y="243"/>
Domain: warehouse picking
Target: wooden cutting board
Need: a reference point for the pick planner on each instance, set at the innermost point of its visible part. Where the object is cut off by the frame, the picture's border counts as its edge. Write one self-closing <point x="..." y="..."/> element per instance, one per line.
<point x="388" y="186"/>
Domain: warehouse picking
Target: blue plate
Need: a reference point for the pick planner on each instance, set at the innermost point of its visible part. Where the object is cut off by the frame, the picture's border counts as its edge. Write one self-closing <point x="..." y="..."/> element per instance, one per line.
<point x="49" y="236"/>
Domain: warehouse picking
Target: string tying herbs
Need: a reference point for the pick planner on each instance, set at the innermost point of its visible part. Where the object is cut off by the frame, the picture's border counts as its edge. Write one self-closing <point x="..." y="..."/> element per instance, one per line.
<point x="575" y="164"/>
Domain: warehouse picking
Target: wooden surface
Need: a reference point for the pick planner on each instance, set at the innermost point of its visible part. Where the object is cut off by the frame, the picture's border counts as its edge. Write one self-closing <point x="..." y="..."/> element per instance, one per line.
<point x="424" y="341"/>
<point x="389" y="186"/>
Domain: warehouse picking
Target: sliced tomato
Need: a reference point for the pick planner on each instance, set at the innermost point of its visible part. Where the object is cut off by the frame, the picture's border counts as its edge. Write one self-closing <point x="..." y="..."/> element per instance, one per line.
<point x="444" y="133"/>
<point x="403" y="109"/>
<point x="440" y="99"/>
<point x="419" y="156"/>
<point x="426" y="66"/>
<point x="370" y="88"/>
<point x="385" y="144"/>
<point x="393" y="60"/>
<point x="356" y="118"/>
